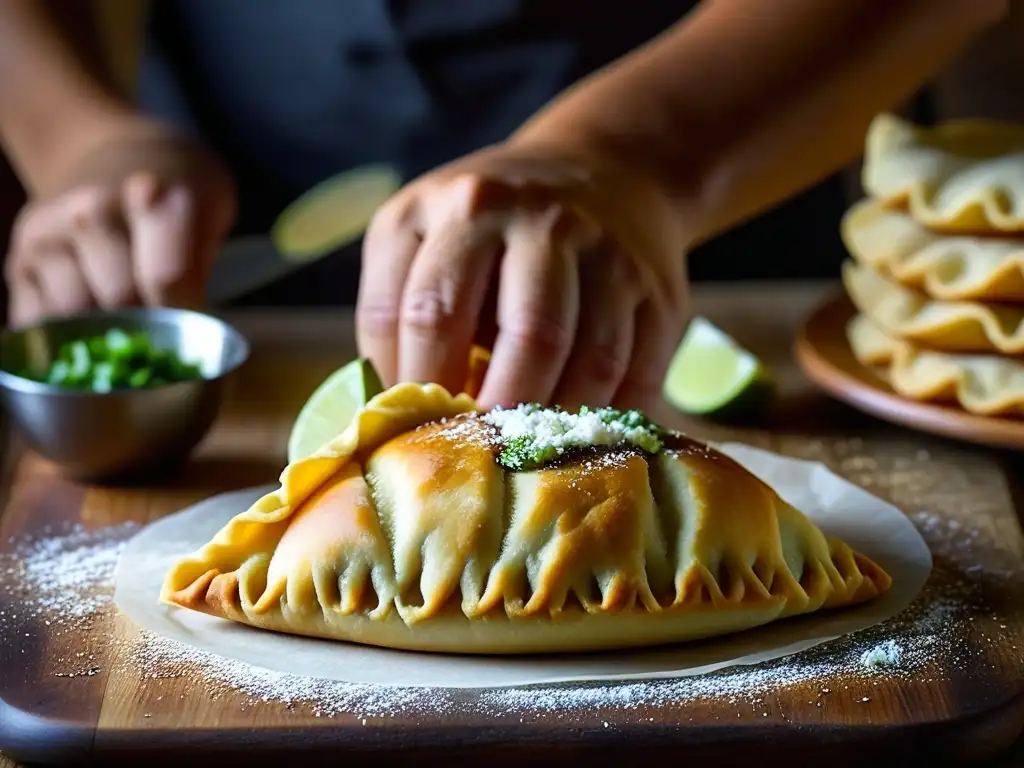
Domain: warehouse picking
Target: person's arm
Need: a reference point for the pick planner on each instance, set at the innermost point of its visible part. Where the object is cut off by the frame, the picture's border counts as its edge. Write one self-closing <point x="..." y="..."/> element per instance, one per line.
<point x="55" y="100"/>
<point x="743" y="104"/>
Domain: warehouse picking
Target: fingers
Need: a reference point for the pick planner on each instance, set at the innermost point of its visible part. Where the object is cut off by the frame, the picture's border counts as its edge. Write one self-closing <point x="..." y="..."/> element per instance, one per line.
<point x="604" y="339"/>
<point x="69" y="255"/>
<point x="105" y="260"/>
<point x="445" y="291"/>
<point x="389" y="247"/>
<point x="129" y="239"/>
<point x="161" y="223"/>
<point x="657" y="336"/>
<point x="62" y="286"/>
<point x="26" y="305"/>
<point x="538" y="309"/>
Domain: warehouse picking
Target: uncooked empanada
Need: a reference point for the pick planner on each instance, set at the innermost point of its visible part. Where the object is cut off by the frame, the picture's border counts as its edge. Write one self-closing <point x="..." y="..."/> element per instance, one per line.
<point x="425" y="526"/>
<point x="949" y="267"/>
<point x="960" y="176"/>
<point x="950" y="326"/>
<point x="987" y="385"/>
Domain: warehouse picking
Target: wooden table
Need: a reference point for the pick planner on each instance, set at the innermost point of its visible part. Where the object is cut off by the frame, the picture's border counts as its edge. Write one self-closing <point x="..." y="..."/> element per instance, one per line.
<point x="293" y="351"/>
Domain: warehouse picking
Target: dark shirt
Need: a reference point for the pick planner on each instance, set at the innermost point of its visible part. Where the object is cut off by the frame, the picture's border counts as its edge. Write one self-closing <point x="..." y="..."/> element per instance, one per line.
<point x="293" y="91"/>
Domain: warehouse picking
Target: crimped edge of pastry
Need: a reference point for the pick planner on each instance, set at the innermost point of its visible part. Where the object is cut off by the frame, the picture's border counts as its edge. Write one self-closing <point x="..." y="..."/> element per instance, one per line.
<point x="928" y="376"/>
<point x="831" y="574"/>
<point x="952" y="326"/>
<point x="985" y="212"/>
<point x="929" y="261"/>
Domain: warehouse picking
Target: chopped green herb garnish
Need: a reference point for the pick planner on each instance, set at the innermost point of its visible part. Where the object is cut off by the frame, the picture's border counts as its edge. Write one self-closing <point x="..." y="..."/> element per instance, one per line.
<point x="532" y="436"/>
<point x="523" y="453"/>
<point x="116" y="360"/>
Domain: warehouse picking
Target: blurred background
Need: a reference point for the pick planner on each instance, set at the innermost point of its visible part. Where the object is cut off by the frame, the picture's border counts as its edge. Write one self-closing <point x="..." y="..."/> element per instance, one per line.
<point x="798" y="239"/>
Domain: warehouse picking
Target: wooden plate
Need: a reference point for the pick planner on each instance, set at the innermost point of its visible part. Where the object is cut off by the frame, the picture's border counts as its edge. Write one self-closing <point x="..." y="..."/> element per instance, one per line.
<point x="824" y="354"/>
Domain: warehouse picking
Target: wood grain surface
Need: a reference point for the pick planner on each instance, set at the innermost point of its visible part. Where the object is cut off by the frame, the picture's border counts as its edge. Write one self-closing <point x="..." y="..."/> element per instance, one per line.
<point x="960" y="712"/>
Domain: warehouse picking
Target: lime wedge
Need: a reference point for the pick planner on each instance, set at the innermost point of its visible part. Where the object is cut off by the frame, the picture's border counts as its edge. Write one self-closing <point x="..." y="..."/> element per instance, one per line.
<point x="711" y="374"/>
<point x="334" y="212"/>
<point x="331" y="407"/>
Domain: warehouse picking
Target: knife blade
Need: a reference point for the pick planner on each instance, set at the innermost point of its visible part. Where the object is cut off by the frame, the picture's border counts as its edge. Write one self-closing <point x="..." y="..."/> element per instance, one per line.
<point x="247" y="264"/>
<point x="327" y="218"/>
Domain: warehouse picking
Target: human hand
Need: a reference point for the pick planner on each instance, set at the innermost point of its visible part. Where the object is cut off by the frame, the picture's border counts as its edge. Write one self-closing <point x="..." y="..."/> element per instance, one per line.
<point x="137" y="220"/>
<point x="577" y="261"/>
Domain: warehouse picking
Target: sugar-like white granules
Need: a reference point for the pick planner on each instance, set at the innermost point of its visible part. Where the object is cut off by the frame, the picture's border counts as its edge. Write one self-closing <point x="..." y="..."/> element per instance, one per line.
<point x="830" y="667"/>
<point x="885" y="654"/>
<point x="63" y="580"/>
<point x="67" y="575"/>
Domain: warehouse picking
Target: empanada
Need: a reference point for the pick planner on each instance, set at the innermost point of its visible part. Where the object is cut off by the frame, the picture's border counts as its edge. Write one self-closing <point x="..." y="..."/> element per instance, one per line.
<point x="421" y="527"/>
<point x="948" y="267"/>
<point x="949" y="326"/>
<point x="960" y="176"/>
<point x="987" y="385"/>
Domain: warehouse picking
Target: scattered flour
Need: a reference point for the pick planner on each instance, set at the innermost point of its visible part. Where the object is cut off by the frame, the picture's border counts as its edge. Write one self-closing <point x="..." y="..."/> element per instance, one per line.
<point x="68" y="575"/>
<point x="886" y="653"/>
<point x="65" y="578"/>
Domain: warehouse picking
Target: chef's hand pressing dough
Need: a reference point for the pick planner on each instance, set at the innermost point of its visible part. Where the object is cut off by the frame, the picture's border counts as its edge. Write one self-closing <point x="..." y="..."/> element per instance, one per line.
<point x="577" y="259"/>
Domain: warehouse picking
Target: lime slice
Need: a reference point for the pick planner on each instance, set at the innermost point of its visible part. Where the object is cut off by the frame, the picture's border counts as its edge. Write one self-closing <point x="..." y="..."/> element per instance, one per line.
<point x="710" y="373"/>
<point x="331" y="407"/>
<point x="333" y="213"/>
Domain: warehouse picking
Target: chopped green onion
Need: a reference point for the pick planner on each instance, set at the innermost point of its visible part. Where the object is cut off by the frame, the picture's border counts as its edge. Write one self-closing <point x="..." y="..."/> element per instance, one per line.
<point x="116" y="360"/>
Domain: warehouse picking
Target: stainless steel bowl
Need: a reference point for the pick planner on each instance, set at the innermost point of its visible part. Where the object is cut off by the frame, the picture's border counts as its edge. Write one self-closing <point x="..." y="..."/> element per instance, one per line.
<point x="128" y="433"/>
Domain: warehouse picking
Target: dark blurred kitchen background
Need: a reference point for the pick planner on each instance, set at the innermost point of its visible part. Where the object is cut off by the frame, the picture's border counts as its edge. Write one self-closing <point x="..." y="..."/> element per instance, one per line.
<point x="799" y="239"/>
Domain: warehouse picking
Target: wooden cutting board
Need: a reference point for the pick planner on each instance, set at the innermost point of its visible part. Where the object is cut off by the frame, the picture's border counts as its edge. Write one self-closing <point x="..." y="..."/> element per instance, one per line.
<point x="90" y="688"/>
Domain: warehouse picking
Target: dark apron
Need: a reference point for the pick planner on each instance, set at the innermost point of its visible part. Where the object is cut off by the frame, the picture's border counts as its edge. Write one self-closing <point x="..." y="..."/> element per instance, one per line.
<point x="291" y="92"/>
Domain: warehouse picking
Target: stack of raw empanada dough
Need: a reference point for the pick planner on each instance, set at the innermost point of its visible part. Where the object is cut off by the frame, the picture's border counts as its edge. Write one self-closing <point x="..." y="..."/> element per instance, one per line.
<point x="937" y="273"/>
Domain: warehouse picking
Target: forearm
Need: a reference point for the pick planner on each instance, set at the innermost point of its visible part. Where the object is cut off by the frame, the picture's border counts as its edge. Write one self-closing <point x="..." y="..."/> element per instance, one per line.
<point x="54" y="96"/>
<point x="744" y="104"/>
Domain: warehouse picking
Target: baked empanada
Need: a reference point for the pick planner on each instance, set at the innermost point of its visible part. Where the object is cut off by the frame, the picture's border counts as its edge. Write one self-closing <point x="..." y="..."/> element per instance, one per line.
<point x="987" y="385"/>
<point x="948" y="267"/>
<point x="949" y="326"/>
<point x="430" y="525"/>
<point x="960" y="176"/>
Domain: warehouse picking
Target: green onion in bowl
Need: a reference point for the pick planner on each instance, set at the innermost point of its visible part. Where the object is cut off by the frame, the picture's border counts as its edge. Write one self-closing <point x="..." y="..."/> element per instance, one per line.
<point x="116" y="360"/>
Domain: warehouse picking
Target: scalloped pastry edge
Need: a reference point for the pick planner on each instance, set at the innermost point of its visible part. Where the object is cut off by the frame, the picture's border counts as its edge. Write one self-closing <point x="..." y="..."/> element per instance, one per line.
<point x="897" y="246"/>
<point x="951" y="326"/>
<point x="210" y="580"/>
<point x="926" y="376"/>
<point x="889" y="134"/>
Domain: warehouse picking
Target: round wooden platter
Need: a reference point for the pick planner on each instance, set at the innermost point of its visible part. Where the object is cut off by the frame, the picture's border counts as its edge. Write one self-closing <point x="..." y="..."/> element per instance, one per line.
<point x="824" y="354"/>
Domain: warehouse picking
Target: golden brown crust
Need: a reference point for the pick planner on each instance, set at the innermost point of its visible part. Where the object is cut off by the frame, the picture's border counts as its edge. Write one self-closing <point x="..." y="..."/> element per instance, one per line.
<point x="423" y="541"/>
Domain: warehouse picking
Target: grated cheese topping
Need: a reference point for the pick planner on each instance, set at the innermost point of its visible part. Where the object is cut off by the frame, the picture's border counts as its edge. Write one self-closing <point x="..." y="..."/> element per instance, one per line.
<point x="532" y="435"/>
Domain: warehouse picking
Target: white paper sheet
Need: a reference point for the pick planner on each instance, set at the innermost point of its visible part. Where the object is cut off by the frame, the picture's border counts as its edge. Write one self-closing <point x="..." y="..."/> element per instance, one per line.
<point x="839" y="507"/>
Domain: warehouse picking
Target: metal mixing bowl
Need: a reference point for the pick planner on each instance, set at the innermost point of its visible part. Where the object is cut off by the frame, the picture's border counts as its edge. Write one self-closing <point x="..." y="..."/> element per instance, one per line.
<point x="124" y="433"/>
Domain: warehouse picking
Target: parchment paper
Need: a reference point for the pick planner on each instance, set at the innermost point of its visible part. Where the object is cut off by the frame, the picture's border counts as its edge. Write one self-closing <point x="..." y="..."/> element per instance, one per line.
<point x="840" y="508"/>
